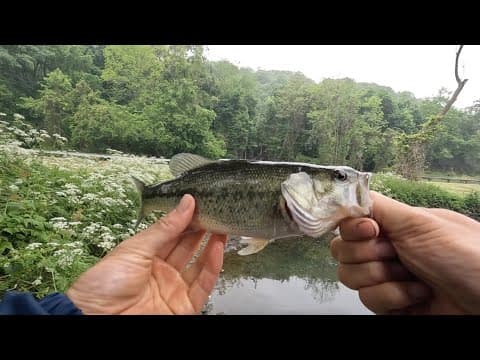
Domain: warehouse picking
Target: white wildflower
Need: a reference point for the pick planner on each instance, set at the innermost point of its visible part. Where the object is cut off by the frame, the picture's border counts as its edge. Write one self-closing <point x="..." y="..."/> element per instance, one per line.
<point x="13" y="187"/>
<point x="107" y="245"/>
<point x="88" y="197"/>
<point x="15" y="143"/>
<point x="75" y="244"/>
<point x="60" y="193"/>
<point x="37" y="281"/>
<point x="77" y="251"/>
<point x="105" y="229"/>
<point x="33" y="246"/>
<point x="54" y="244"/>
<point x="60" y="225"/>
<point x="65" y="258"/>
<point x="107" y="237"/>
<point x="3" y="114"/>
<point x="117" y="226"/>
<point x="19" y="132"/>
<point x="60" y="252"/>
<point x="142" y="226"/>
<point x="108" y="201"/>
<point x="61" y="218"/>
<point x="18" y="116"/>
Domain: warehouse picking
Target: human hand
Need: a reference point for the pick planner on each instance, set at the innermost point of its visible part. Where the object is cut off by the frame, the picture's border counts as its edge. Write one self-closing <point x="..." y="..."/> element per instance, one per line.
<point x="147" y="274"/>
<point x="411" y="260"/>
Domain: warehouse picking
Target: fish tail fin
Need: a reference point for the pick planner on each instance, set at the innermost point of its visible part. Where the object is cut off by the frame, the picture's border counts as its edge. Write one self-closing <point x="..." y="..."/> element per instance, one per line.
<point x="141" y="188"/>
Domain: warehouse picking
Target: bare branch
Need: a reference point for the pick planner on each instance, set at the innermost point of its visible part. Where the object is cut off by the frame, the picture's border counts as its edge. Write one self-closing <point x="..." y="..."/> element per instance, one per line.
<point x="461" y="83"/>
<point x="456" y="65"/>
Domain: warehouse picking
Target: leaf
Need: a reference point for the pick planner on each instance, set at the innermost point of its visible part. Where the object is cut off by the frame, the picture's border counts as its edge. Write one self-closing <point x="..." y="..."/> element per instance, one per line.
<point x="4" y="245"/>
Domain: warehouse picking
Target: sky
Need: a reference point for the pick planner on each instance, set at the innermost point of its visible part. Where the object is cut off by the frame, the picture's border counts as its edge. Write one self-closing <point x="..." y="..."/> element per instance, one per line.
<point x="420" y="69"/>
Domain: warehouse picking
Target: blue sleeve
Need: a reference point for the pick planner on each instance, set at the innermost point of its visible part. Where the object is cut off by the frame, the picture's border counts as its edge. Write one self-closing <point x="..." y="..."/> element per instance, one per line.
<point x="18" y="303"/>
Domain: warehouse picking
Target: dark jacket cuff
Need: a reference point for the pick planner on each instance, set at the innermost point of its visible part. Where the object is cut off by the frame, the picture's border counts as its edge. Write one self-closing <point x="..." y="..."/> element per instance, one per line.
<point x="17" y="303"/>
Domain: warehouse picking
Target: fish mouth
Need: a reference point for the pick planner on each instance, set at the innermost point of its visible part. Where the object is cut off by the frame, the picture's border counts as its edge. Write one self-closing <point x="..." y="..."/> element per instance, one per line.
<point x="365" y="199"/>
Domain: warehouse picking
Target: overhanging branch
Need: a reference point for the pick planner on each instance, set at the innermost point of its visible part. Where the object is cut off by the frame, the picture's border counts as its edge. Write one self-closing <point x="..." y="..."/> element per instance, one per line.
<point x="460" y="84"/>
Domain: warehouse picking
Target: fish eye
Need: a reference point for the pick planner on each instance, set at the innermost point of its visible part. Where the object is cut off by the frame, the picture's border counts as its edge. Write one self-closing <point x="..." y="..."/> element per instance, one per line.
<point x="340" y="175"/>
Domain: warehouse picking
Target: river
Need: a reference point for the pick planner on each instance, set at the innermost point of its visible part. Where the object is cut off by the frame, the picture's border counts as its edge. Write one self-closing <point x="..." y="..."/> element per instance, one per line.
<point x="295" y="276"/>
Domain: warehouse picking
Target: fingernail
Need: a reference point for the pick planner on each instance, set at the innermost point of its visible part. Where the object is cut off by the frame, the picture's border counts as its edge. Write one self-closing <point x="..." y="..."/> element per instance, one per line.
<point x="418" y="291"/>
<point x="184" y="204"/>
<point x="366" y="228"/>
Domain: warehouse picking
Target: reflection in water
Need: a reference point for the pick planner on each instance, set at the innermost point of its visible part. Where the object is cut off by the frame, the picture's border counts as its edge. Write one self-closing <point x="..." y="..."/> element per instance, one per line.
<point x="290" y="276"/>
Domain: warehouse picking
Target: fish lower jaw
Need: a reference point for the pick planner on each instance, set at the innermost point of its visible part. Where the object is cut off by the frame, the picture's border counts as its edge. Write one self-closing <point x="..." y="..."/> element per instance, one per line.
<point x="358" y="211"/>
<point x="329" y="226"/>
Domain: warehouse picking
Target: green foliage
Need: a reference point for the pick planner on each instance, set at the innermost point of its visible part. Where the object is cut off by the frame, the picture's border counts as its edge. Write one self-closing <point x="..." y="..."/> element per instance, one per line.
<point x="235" y="107"/>
<point x="160" y="100"/>
<point x="54" y="104"/>
<point x="346" y="125"/>
<point x="60" y="216"/>
<point x="472" y="205"/>
<point x="426" y="195"/>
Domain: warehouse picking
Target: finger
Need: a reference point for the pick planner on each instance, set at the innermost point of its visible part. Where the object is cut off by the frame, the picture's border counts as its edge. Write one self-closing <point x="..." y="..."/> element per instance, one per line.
<point x="193" y="271"/>
<point x="355" y="276"/>
<point x="350" y="252"/>
<point x="185" y="249"/>
<point x="204" y="277"/>
<point x="383" y="298"/>
<point x="358" y="229"/>
<point x="160" y="238"/>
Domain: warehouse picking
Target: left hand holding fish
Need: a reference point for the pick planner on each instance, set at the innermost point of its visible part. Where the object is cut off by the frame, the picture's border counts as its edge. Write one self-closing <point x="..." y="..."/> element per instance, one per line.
<point x="148" y="274"/>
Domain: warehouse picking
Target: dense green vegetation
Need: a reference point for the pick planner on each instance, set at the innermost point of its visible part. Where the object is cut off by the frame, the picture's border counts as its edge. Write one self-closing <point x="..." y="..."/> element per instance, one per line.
<point x="59" y="216"/>
<point x="427" y="195"/>
<point x="160" y="100"/>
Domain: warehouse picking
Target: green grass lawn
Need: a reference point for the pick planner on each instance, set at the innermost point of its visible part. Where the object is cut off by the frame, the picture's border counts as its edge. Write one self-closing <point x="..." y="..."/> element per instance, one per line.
<point x="458" y="188"/>
<point x="450" y="175"/>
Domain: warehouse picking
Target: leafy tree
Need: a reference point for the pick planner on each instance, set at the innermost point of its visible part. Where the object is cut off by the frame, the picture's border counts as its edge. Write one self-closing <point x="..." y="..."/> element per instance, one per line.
<point x="54" y="104"/>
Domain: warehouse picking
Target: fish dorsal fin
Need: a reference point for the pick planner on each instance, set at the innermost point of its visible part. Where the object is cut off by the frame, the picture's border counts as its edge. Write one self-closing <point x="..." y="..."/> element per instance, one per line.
<point x="184" y="162"/>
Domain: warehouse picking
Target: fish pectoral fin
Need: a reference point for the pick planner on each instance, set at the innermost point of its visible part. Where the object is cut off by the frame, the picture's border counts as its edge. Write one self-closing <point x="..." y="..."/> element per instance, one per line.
<point x="245" y="240"/>
<point x="254" y="246"/>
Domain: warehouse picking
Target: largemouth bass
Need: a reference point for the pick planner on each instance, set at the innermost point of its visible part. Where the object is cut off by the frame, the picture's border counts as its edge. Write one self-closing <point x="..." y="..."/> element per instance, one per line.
<point x="261" y="200"/>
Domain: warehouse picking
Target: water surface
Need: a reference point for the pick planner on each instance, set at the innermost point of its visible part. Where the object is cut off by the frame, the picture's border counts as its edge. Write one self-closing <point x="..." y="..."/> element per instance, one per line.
<point x="294" y="276"/>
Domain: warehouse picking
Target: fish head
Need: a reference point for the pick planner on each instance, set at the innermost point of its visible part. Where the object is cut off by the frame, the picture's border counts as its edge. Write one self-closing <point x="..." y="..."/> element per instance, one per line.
<point x="319" y="200"/>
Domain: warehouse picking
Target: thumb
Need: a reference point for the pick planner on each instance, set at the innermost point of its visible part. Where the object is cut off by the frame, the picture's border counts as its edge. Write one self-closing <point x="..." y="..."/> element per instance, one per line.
<point x="159" y="237"/>
<point x="391" y="215"/>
